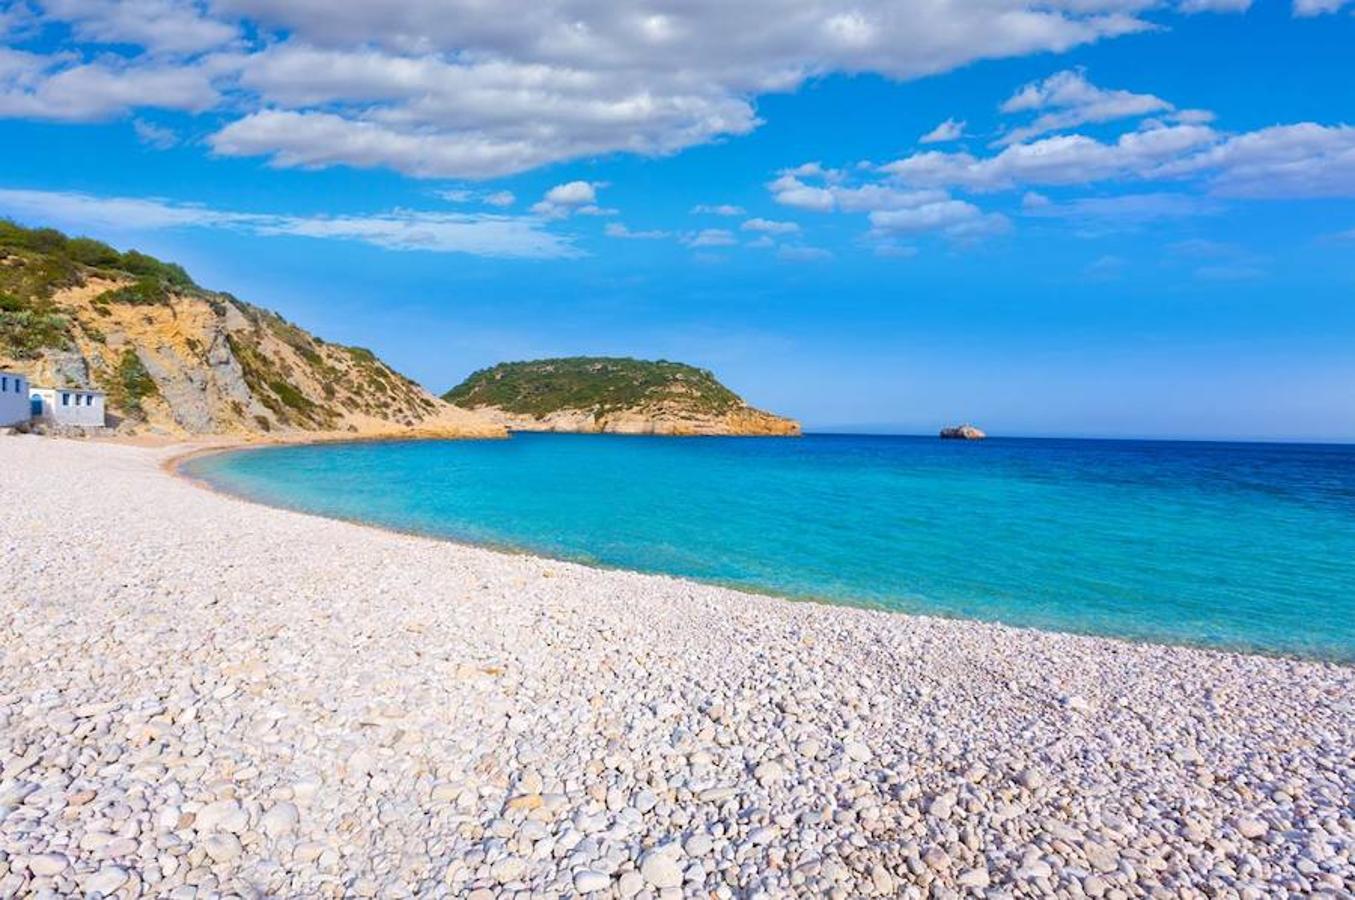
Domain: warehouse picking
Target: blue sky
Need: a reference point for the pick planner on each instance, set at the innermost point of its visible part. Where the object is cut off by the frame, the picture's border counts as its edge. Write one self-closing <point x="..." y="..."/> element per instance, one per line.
<point x="1089" y="217"/>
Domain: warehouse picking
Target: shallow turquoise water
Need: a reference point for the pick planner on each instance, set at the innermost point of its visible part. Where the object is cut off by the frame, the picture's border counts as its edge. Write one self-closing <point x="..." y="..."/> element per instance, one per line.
<point x="1235" y="545"/>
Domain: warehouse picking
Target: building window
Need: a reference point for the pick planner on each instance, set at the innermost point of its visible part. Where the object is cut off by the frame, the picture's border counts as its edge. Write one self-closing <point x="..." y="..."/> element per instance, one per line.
<point x="65" y="399"/>
<point x="4" y="383"/>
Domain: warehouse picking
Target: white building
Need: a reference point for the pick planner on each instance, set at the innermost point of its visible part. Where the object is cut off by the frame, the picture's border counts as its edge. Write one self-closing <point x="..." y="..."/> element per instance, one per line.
<point x="68" y="406"/>
<point x="15" y="407"/>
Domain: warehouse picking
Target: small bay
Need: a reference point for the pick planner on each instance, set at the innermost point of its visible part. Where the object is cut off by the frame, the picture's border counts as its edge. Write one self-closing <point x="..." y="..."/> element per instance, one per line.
<point x="1240" y="546"/>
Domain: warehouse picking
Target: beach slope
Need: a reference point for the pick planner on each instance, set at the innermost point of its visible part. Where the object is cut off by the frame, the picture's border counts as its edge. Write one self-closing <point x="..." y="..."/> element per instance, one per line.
<point x="200" y="695"/>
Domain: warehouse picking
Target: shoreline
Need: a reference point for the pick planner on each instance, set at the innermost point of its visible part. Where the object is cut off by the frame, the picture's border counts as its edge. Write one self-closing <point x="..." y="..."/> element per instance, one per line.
<point x="175" y="467"/>
<point x="210" y="695"/>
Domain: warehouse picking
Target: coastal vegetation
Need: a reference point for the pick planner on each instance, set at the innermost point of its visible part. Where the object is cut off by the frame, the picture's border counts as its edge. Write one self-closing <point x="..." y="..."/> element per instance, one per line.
<point x="131" y="385"/>
<point x="595" y="393"/>
<point x="603" y="384"/>
<point x="178" y="358"/>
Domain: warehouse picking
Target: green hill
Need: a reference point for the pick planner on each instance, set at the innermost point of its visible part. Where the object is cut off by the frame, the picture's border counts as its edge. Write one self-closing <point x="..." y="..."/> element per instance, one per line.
<point x="592" y="393"/>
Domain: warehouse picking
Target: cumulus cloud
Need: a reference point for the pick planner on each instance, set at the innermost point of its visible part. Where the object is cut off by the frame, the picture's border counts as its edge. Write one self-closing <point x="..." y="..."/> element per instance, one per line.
<point x="891" y="209"/>
<point x="162" y="26"/>
<point x="953" y="218"/>
<point x="711" y="237"/>
<point x="574" y="197"/>
<point x="1302" y="160"/>
<point x="458" y="89"/>
<point x="769" y="226"/>
<point x="478" y="234"/>
<point x="1067" y="99"/>
<point x="949" y="130"/>
<point x="791" y="190"/>
<point x="1188" y="165"/>
<point x="51" y="87"/>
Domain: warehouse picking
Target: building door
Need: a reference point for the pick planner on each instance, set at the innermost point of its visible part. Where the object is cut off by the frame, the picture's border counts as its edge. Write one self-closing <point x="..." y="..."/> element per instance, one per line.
<point x="35" y="407"/>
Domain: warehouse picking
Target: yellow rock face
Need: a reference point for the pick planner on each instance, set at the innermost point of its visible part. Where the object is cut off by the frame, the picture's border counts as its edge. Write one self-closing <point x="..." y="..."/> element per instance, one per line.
<point x="745" y="421"/>
<point x="217" y="366"/>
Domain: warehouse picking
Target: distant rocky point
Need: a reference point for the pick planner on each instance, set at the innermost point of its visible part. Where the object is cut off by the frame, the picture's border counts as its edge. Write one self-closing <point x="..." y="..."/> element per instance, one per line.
<point x="962" y="433"/>
<point x="612" y="395"/>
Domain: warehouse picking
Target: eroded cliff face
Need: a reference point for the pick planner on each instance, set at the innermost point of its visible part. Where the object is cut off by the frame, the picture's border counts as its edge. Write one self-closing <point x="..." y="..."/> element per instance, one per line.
<point x="658" y="421"/>
<point x="200" y="363"/>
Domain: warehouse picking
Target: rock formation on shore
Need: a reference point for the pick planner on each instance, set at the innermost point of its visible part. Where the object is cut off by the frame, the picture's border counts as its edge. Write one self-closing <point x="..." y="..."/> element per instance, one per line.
<point x="613" y="395"/>
<point x="962" y="433"/>
<point x="178" y="360"/>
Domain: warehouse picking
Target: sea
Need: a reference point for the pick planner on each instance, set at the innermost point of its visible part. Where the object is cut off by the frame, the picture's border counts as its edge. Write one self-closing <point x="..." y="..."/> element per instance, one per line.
<point x="1243" y="546"/>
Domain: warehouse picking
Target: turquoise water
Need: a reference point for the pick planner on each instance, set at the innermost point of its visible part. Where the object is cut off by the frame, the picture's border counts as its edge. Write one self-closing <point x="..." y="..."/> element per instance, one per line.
<point x="1233" y="545"/>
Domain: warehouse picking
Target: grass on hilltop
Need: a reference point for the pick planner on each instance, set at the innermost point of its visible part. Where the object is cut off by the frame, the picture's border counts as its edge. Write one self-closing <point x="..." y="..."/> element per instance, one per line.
<point x="602" y="384"/>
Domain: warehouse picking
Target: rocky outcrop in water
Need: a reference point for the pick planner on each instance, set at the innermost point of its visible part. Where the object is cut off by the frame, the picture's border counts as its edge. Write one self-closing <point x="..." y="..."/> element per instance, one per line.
<point x="962" y="433"/>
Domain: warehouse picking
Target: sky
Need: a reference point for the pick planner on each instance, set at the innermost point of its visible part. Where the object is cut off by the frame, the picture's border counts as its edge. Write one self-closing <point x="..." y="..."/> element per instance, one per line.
<point x="1079" y="217"/>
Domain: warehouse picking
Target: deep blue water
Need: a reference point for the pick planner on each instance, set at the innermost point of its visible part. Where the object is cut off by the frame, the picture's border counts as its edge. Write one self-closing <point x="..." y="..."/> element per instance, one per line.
<point x="1234" y="545"/>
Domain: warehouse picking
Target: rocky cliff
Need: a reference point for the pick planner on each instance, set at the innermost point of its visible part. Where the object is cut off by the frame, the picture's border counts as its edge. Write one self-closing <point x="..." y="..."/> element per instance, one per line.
<point x="177" y="360"/>
<point x="613" y="395"/>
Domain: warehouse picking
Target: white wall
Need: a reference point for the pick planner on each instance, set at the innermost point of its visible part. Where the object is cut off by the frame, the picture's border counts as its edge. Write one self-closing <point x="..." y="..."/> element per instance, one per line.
<point x="14" y="403"/>
<point x="84" y="408"/>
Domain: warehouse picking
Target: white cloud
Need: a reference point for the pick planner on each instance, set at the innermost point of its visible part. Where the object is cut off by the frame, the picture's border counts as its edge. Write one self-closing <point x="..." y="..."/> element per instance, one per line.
<point x="1303" y="160"/>
<point x="1306" y="8"/>
<point x="954" y="218"/>
<point x="719" y="209"/>
<point x="712" y="237"/>
<point x="1067" y="99"/>
<point x="618" y="230"/>
<point x="891" y="209"/>
<point x="51" y="87"/>
<point x="790" y="190"/>
<point x="570" y="198"/>
<point x="153" y="135"/>
<point x="1192" y="7"/>
<point x="1059" y="160"/>
<point x="574" y="193"/>
<point x="592" y="209"/>
<point x="469" y="195"/>
<point x="949" y="130"/>
<point x="478" y="234"/>
<point x="169" y="26"/>
<point x="769" y="226"/>
<point x="459" y="89"/>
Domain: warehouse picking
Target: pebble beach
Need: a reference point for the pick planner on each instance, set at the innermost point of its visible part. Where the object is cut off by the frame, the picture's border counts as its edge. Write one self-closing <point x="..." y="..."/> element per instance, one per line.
<point x="202" y="697"/>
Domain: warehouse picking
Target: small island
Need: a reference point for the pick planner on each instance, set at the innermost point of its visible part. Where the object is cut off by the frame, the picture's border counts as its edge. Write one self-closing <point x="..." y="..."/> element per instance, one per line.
<point x="614" y="395"/>
<point x="964" y="432"/>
